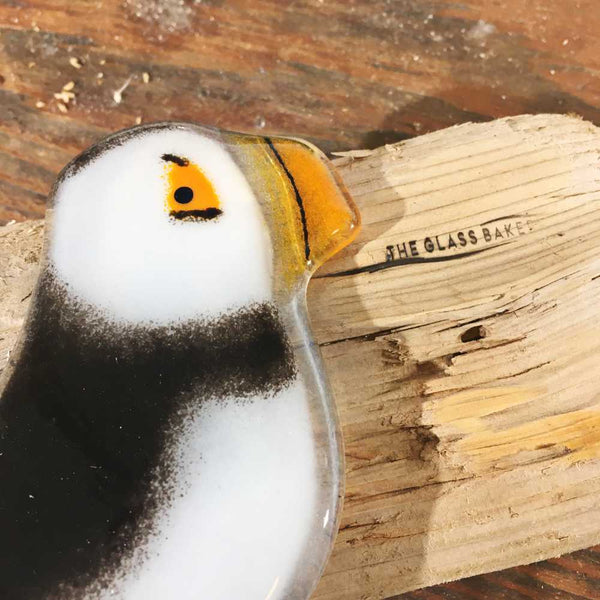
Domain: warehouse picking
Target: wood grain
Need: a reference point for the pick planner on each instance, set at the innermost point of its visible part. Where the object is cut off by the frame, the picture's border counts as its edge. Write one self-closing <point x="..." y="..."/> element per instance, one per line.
<point x="342" y="73"/>
<point x="464" y="373"/>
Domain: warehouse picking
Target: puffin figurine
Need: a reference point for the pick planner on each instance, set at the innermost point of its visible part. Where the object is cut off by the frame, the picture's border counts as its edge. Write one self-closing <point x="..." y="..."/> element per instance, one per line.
<point x="166" y="428"/>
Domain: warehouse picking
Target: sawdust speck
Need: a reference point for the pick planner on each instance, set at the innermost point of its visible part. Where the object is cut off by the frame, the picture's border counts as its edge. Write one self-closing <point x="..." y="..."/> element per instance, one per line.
<point x="169" y="15"/>
<point x="480" y="30"/>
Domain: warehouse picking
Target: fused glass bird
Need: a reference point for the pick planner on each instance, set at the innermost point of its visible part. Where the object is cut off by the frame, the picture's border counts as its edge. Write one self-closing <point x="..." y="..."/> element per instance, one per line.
<point x="166" y="429"/>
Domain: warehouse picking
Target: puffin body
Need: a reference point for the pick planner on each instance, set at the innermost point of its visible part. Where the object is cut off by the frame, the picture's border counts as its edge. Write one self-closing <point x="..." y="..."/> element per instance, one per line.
<point x="165" y="428"/>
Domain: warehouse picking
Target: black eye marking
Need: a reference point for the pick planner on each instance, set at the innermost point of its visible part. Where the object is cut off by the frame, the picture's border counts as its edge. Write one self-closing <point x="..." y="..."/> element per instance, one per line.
<point x="178" y="160"/>
<point x="183" y="195"/>
<point x="205" y="214"/>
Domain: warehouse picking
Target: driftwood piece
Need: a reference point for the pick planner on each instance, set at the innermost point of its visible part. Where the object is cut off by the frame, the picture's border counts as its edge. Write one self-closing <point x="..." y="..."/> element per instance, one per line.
<point x="460" y="332"/>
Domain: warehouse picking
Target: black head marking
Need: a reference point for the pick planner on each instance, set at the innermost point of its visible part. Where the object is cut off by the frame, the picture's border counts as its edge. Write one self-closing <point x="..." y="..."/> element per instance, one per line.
<point x="113" y="141"/>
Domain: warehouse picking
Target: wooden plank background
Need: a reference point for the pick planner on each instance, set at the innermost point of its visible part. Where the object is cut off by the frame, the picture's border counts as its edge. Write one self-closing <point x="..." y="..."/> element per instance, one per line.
<point x="344" y="74"/>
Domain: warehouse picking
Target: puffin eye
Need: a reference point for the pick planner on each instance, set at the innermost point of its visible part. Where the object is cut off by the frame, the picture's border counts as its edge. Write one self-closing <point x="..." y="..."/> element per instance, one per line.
<point x="183" y="195"/>
<point x="190" y="195"/>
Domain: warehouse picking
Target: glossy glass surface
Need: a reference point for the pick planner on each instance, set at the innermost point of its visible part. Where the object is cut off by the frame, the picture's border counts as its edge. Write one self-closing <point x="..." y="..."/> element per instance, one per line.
<point x="166" y="429"/>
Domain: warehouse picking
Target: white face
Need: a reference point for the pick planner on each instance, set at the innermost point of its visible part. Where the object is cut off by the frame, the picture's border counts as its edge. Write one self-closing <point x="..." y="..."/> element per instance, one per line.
<point x="115" y="246"/>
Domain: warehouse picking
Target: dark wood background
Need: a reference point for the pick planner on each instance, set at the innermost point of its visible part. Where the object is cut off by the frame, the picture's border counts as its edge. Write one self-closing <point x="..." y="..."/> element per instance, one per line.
<point x="345" y="74"/>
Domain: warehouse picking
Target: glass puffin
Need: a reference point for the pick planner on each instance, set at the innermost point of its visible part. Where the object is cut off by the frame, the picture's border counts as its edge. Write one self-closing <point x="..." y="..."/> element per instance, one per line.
<point x="166" y="428"/>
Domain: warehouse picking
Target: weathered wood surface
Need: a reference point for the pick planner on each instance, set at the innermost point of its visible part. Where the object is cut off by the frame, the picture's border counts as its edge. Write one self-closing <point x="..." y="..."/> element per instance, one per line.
<point x="466" y="373"/>
<point x="343" y="73"/>
<point x="461" y="333"/>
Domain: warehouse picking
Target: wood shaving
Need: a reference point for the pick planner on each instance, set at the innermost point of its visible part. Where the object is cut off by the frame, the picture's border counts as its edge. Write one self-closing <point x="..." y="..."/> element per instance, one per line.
<point x="118" y="94"/>
<point x="65" y="97"/>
